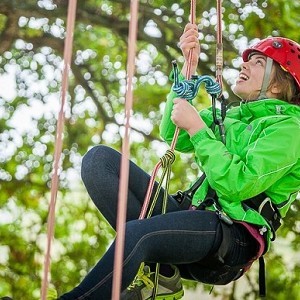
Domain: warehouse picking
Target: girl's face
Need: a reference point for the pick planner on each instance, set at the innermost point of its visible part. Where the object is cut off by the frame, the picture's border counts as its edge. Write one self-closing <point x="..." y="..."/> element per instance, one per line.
<point x="249" y="82"/>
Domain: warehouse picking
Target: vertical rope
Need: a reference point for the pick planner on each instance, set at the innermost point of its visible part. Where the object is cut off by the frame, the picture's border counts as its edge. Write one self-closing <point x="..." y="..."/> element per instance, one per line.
<point x="188" y="72"/>
<point x="176" y="133"/>
<point x="192" y="20"/>
<point x="219" y="48"/>
<point x="123" y="188"/>
<point x="58" y="143"/>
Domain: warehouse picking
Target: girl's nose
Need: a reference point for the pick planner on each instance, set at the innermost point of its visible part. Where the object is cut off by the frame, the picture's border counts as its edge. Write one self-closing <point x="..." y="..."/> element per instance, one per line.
<point x="244" y="65"/>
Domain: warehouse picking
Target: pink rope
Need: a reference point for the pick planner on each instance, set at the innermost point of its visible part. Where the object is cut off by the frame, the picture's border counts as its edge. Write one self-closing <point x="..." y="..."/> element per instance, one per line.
<point x="149" y="191"/>
<point x="123" y="188"/>
<point x="193" y="20"/>
<point x="58" y="143"/>
<point x="175" y="137"/>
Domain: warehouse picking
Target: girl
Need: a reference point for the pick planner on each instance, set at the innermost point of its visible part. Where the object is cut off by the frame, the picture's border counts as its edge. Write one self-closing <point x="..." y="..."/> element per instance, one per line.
<point x="254" y="176"/>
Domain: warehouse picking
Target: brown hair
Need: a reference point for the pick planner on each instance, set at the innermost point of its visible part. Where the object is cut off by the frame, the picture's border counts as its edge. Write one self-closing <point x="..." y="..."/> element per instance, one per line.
<point x="289" y="89"/>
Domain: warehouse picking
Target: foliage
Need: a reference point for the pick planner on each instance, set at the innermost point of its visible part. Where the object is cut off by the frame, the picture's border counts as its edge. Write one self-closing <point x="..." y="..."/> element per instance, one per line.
<point x="31" y="50"/>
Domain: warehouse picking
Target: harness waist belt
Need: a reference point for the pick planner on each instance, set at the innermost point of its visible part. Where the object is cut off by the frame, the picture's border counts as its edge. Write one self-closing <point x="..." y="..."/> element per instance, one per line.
<point x="264" y="206"/>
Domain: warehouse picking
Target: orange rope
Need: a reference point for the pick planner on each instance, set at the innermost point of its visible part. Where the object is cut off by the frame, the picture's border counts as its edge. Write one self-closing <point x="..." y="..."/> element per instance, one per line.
<point x="58" y="142"/>
<point x="123" y="188"/>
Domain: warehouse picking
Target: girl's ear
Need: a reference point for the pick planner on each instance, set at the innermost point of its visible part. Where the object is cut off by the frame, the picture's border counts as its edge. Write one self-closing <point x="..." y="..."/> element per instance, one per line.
<point x="275" y="89"/>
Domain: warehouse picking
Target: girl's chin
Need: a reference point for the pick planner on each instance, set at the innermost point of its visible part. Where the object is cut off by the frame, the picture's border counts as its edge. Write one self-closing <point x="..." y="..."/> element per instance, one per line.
<point x="241" y="93"/>
<point x="243" y="97"/>
<point x="237" y="92"/>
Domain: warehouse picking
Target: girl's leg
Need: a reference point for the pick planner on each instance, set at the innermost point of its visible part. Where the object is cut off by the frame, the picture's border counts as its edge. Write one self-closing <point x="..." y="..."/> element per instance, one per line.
<point x="101" y="173"/>
<point x="182" y="237"/>
<point x="179" y="237"/>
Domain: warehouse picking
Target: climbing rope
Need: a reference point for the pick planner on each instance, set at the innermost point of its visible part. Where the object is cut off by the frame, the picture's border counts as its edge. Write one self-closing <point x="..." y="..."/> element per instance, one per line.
<point x="166" y="163"/>
<point x="58" y="143"/>
<point x="188" y="89"/>
<point x="124" y="170"/>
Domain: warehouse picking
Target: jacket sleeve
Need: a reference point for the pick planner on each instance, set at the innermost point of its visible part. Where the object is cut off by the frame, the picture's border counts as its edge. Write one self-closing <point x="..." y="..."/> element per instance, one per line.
<point x="167" y="128"/>
<point x="266" y="160"/>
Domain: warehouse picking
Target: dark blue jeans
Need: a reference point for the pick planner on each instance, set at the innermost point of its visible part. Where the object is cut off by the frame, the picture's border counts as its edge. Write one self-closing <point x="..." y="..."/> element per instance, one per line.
<point x="185" y="238"/>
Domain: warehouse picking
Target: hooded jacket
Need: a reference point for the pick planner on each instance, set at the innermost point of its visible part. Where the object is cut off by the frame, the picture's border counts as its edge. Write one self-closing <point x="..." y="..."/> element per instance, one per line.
<point x="261" y="154"/>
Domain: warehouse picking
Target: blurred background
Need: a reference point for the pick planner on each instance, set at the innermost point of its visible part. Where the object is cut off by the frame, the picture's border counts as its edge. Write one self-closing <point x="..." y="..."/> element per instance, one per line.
<point x="31" y="59"/>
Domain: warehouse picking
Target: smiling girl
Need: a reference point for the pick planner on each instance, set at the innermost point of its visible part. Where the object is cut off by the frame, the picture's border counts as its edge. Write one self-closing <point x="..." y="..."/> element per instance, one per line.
<point x="250" y="182"/>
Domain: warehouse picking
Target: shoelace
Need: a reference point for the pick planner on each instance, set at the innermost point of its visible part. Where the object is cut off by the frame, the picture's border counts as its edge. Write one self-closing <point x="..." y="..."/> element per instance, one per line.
<point x="142" y="277"/>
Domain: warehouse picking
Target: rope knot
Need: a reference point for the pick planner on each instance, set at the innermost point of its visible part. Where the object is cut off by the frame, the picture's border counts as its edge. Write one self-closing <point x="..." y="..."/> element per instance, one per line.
<point x="188" y="89"/>
<point x="185" y="89"/>
<point x="211" y="86"/>
<point x="167" y="159"/>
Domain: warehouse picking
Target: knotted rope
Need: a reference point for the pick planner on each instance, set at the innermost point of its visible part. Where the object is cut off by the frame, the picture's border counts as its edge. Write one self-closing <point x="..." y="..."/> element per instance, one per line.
<point x="166" y="162"/>
<point x="188" y="88"/>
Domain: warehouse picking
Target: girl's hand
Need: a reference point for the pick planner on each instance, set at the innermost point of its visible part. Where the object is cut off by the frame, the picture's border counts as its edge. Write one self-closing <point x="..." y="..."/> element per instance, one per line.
<point x="185" y="116"/>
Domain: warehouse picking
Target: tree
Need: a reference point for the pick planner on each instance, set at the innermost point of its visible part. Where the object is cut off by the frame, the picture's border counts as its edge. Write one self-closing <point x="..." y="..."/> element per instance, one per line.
<point x="31" y="48"/>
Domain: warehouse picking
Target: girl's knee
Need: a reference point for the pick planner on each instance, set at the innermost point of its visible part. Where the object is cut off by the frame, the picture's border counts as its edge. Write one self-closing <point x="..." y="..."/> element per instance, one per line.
<point x="97" y="160"/>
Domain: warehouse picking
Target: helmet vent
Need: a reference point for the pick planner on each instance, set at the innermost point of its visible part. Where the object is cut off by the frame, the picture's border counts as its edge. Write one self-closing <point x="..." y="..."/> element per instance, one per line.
<point x="277" y="44"/>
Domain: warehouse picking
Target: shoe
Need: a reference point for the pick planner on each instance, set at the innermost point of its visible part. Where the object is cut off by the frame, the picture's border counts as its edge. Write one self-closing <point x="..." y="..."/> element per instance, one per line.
<point x="52" y="294"/>
<point x="169" y="288"/>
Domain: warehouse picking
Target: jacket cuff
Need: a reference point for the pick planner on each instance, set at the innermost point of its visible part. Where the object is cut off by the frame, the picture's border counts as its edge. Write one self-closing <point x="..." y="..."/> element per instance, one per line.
<point x="201" y="135"/>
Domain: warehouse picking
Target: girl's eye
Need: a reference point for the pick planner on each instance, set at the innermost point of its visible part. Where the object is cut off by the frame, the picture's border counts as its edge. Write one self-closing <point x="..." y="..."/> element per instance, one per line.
<point x="260" y="62"/>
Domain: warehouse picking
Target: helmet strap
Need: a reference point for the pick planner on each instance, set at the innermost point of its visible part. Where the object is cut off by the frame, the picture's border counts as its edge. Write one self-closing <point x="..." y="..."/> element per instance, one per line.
<point x="266" y="79"/>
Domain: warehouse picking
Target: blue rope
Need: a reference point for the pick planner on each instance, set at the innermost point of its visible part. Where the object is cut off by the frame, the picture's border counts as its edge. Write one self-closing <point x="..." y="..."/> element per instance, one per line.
<point x="188" y="89"/>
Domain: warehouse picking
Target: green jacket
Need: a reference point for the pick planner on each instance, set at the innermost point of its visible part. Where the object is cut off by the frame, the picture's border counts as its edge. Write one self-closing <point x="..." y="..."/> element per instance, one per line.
<point x="262" y="154"/>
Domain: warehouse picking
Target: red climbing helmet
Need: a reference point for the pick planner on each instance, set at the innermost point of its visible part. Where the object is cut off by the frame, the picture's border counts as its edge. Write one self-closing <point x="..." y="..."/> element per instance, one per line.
<point x="284" y="51"/>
